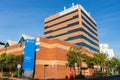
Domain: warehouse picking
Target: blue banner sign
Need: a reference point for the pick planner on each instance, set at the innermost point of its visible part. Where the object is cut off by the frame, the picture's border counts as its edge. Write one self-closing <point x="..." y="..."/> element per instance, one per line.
<point x="29" y="55"/>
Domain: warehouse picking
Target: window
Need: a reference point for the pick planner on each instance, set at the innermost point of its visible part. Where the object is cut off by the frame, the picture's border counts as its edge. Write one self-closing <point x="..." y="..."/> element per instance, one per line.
<point x="83" y="37"/>
<point x="86" y="45"/>
<point x="88" y="17"/>
<point x="61" y="16"/>
<point x="72" y="31"/>
<point x="74" y="17"/>
<point x="69" y="25"/>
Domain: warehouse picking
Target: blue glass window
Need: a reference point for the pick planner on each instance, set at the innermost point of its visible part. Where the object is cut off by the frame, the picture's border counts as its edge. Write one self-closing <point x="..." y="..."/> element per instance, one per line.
<point x="72" y="31"/>
<point x="61" y="16"/>
<point x="74" y="17"/>
<point x="83" y="37"/>
<point x="89" y="28"/>
<point x="89" y="23"/>
<point x="69" y="25"/>
<point x="88" y="17"/>
<point x="86" y="45"/>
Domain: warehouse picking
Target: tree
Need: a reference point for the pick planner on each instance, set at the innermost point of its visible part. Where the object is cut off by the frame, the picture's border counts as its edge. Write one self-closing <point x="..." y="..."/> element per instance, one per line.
<point x="9" y="62"/>
<point x="90" y="61"/>
<point x="2" y="61"/>
<point x="100" y="59"/>
<point x="10" y="65"/>
<point x="118" y="66"/>
<point x="75" y="56"/>
<point x="114" y="64"/>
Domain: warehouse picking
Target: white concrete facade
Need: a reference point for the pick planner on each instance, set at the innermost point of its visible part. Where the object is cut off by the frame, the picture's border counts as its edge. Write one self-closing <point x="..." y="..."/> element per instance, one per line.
<point x="104" y="48"/>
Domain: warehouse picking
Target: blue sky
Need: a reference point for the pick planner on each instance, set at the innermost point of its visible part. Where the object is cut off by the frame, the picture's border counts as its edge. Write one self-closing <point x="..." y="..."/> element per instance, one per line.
<point x="27" y="16"/>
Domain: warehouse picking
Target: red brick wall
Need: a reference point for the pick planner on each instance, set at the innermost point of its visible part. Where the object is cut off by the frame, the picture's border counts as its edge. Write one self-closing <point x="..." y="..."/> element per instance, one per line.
<point x="47" y="54"/>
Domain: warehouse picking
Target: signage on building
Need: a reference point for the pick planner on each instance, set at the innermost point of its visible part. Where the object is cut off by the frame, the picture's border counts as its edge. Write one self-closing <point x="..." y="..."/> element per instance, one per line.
<point x="29" y="55"/>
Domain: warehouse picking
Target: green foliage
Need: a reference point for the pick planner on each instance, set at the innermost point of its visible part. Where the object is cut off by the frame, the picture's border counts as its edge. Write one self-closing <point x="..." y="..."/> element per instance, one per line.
<point x="6" y="74"/>
<point x="3" y="60"/>
<point x="99" y="58"/>
<point x="9" y="62"/>
<point x="75" y="55"/>
<point x="10" y="65"/>
<point x="15" y="74"/>
<point x="109" y="72"/>
<point x="99" y="73"/>
<point x="80" y="76"/>
<point x="113" y="62"/>
<point x="89" y="61"/>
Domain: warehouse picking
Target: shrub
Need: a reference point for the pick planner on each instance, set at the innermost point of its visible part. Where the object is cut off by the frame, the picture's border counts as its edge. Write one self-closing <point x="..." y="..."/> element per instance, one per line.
<point x="15" y="74"/>
<point x="6" y="74"/>
<point x="80" y="76"/>
<point x="99" y="73"/>
<point x="109" y="73"/>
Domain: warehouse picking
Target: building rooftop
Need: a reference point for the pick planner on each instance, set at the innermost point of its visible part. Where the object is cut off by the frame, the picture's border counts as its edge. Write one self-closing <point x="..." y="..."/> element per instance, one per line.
<point x="2" y="45"/>
<point x="10" y="43"/>
<point x="68" y="10"/>
<point x="24" y="37"/>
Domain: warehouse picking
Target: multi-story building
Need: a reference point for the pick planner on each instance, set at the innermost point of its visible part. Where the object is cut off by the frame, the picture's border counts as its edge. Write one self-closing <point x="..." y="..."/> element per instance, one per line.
<point x="74" y="25"/>
<point x="51" y="55"/>
<point x="104" y="48"/>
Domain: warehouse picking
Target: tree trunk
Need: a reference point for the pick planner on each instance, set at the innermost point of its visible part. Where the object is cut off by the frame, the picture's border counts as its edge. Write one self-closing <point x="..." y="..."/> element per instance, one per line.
<point x="101" y="67"/>
<point x="79" y="69"/>
<point x="74" y="71"/>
